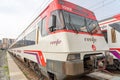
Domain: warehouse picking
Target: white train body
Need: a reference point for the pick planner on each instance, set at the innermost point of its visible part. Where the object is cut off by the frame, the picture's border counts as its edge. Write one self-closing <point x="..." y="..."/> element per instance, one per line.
<point x="58" y="46"/>
<point x="66" y="51"/>
<point x="111" y="29"/>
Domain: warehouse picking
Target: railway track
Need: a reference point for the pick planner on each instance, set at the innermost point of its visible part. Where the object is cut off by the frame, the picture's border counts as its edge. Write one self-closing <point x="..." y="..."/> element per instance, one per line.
<point x="31" y="75"/>
<point x="28" y="72"/>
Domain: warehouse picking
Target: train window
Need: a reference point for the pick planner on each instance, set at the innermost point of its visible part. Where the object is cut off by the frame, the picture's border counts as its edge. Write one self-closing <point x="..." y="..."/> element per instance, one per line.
<point x="116" y="26"/>
<point x="39" y="24"/>
<point x="59" y="20"/>
<point x="30" y="38"/>
<point x="113" y="35"/>
<point x="19" y="43"/>
<point x="74" y="22"/>
<point x="43" y="27"/>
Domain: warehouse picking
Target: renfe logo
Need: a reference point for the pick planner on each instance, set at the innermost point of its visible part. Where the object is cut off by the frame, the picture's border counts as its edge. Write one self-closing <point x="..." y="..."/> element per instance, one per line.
<point x="56" y="42"/>
<point x="66" y="8"/>
<point x="94" y="47"/>
<point x="90" y="39"/>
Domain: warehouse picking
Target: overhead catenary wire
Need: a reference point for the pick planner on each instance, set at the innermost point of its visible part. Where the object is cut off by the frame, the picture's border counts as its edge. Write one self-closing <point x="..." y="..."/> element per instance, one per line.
<point x="104" y="5"/>
<point x="40" y="8"/>
<point x="98" y="3"/>
<point x="35" y="14"/>
<point x="107" y="16"/>
<point x="44" y="3"/>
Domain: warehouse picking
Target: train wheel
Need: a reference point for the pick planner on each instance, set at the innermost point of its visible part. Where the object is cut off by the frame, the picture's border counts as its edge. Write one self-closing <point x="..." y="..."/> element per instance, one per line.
<point x="27" y="62"/>
<point x="37" y="70"/>
<point x="55" y="78"/>
<point x="52" y="76"/>
<point x="43" y="78"/>
<point x="39" y="73"/>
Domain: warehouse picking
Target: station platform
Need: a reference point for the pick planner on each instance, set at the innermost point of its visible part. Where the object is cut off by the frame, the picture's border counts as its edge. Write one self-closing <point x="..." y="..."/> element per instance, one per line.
<point x="14" y="72"/>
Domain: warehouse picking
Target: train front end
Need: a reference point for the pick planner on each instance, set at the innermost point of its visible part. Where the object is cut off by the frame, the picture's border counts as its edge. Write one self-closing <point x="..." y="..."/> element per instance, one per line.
<point x="77" y="31"/>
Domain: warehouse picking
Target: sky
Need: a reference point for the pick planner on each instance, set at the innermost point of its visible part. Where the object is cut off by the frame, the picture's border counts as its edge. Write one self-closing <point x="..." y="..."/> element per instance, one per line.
<point x="16" y="15"/>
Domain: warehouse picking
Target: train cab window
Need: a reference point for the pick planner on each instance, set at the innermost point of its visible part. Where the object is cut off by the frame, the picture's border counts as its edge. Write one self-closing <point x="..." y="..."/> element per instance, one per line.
<point x="74" y="22"/>
<point x="113" y="35"/>
<point x="56" y="21"/>
<point x="43" y="27"/>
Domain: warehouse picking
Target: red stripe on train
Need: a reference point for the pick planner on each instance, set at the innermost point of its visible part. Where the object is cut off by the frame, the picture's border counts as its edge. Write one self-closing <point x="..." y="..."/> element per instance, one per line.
<point x="108" y="22"/>
<point x="40" y="55"/>
<point x="118" y="49"/>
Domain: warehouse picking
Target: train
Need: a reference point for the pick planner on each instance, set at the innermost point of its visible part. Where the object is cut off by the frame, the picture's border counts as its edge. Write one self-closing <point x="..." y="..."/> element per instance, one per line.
<point x="64" y="41"/>
<point x="111" y="29"/>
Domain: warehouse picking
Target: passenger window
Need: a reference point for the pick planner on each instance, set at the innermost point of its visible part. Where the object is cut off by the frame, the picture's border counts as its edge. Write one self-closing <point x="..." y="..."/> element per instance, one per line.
<point x="39" y="24"/>
<point x="113" y="35"/>
<point x="29" y="39"/>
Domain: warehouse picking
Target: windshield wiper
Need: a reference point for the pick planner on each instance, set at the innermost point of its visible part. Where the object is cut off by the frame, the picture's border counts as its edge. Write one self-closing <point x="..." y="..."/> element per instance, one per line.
<point x="88" y="30"/>
<point x="93" y="28"/>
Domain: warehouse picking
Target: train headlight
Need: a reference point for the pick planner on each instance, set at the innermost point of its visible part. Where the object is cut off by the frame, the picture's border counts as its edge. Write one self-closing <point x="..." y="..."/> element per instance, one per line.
<point x="72" y="57"/>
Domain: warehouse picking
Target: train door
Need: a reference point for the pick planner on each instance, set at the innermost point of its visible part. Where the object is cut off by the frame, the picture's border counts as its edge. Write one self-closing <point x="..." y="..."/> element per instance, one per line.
<point x="41" y="30"/>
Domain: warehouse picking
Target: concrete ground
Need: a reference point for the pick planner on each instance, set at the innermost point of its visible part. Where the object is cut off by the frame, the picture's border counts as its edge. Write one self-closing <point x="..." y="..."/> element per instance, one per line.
<point x="4" y="73"/>
<point x="8" y="68"/>
<point x="14" y="71"/>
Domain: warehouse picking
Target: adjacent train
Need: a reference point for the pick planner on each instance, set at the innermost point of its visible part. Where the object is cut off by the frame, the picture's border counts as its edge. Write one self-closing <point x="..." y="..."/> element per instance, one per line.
<point x="111" y="30"/>
<point x="63" y="41"/>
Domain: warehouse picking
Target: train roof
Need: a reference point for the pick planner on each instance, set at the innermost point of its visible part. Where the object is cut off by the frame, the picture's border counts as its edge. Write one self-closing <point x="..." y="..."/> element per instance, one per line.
<point x="115" y="16"/>
<point x="65" y="2"/>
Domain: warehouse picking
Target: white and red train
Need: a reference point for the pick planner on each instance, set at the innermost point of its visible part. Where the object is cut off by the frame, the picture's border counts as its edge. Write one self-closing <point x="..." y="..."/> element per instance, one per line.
<point x="64" y="40"/>
<point x="111" y="30"/>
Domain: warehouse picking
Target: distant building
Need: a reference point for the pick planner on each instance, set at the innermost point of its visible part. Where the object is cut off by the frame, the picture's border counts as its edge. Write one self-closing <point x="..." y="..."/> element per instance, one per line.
<point x="11" y="41"/>
<point x="6" y="42"/>
<point x="4" y="46"/>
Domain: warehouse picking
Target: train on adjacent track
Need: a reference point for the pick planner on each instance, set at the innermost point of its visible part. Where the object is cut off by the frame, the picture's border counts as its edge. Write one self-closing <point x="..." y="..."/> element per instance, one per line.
<point x="64" y="41"/>
<point x="111" y="30"/>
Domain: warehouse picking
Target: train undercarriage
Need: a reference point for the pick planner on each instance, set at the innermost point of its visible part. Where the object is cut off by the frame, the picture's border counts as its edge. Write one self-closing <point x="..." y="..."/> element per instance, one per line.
<point x="115" y="66"/>
<point x="92" y="62"/>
